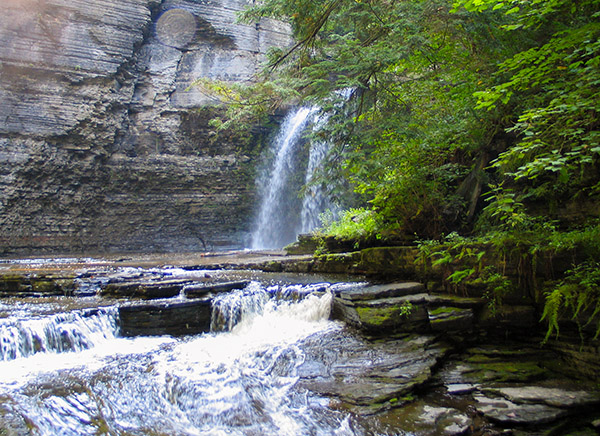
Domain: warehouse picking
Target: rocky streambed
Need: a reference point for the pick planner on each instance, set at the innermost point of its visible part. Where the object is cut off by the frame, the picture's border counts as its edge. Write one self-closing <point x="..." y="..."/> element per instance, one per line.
<point x="397" y="360"/>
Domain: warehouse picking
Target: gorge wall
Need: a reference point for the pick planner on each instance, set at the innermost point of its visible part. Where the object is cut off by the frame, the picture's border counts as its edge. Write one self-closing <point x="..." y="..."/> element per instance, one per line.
<point x="104" y="146"/>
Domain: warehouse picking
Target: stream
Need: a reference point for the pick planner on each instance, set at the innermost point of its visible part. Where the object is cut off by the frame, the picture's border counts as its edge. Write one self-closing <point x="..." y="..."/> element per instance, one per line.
<point x="271" y="360"/>
<point x="66" y="370"/>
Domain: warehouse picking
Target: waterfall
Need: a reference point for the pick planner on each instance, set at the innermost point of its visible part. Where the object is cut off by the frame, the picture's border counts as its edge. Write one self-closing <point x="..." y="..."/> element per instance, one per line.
<point x="276" y="223"/>
<point x="282" y="214"/>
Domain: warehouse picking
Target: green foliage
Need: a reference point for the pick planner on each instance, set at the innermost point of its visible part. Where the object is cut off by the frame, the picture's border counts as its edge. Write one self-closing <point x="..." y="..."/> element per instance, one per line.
<point x="352" y="224"/>
<point x="553" y="87"/>
<point x="406" y="309"/>
<point x="576" y="296"/>
<point x="247" y="105"/>
<point x="420" y="96"/>
<point x="462" y="261"/>
<point x="407" y="135"/>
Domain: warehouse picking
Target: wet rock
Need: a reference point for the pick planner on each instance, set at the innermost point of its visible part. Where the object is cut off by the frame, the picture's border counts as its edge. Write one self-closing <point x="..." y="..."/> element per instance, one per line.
<point x="14" y="284"/>
<point x="506" y="412"/>
<point x="202" y="290"/>
<point x="437" y="300"/>
<point x="344" y="263"/>
<point x="403" y="307"/>
<point x="27" y="285"/>
<point x="144" y="290"/>
<point x="434" y="420"/>
<point x="373" y="292"/>
<point x="555" y="397"/>
<point x="383" y="316"/>
<point x="507" y="318"/>
<point x="502" y="365"/>
<point x="176" y="319"/>
<point x="305" y="244"/>
<point x="12" y="423"/>
<point x="389" y="262"/>
<point x="370" y="376"/>
<point x="461" y="388"/>
<point x="576" y="359"/>
<point x="451" y="319"/>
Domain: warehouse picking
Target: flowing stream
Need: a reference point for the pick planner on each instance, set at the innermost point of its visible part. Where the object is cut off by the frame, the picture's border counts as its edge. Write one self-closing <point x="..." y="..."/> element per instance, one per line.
<point x="70" y="373"/>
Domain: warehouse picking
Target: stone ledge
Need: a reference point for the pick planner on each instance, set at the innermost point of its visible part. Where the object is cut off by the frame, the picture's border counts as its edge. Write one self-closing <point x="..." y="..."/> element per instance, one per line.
<point x="176" y="319"/>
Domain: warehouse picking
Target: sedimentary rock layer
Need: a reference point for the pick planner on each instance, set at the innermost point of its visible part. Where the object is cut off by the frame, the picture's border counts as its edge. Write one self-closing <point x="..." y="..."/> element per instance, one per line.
<point x="104" y="146"/>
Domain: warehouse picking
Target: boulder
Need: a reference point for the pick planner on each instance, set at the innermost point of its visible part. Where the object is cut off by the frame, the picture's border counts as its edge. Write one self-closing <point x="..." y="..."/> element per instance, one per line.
<point x="426" y="419"/>
<point x="383" y="316"/>
<point x="554" y="397"/>
<point x="32" y="285"/>
<point x="403" y="307"/>
<point x="372" y="292"/>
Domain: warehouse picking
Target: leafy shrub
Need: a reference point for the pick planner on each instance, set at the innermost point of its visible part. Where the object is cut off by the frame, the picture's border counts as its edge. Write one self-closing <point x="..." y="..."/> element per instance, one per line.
<point x="353" y="223"/>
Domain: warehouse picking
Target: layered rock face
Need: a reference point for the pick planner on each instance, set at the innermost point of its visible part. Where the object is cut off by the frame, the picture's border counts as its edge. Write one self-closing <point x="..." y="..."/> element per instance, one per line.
<point x="103" y="144"/>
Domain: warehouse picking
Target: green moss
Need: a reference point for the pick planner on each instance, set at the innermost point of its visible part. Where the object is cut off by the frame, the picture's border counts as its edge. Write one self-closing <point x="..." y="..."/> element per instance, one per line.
<point x="376" y="316"/>
<point x="44" y="286"/>
<point x="508" y="371"/>
<point x="381" y="316"/>
<point x="441" y="310"/>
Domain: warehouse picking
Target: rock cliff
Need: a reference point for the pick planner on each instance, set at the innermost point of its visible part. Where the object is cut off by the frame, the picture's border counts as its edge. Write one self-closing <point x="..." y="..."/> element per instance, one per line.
<point x="103" y="144"/>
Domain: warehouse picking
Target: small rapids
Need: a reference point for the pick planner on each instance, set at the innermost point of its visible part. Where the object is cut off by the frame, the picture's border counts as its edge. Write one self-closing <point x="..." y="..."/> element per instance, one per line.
<point x="73" y="331"/>
<point x="240" y="379"/>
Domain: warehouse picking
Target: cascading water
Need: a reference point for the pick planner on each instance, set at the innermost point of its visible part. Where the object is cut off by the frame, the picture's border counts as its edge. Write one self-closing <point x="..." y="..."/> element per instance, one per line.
<point x="282" y="214"/>
<point x="242" y="381"/>
<point x="74" y="331"/>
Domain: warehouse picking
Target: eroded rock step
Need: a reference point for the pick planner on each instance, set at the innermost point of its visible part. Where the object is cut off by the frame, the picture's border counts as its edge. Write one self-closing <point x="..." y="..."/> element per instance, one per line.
<point x="493" y="390"/>
<point x="166" y="318"/>
<point x="404" y="307"/>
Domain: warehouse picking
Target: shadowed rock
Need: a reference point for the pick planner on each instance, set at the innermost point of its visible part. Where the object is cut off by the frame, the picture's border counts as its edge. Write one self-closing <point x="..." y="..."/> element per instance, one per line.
<point x="176" y="319"/>
<point x="369" y="376"/>
<point x="145" y="290"/>
<point x="202" y="290"/>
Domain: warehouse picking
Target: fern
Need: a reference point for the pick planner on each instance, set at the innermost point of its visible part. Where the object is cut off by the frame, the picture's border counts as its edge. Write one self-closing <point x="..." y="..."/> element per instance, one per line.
<point x="577" y="295"/>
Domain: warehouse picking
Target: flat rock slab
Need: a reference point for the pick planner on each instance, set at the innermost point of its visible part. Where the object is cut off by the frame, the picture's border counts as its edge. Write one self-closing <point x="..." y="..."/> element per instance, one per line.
<point x="424" y="419"/>
<point x="26" y="285"/>
<point x="374" y="292"/>
<point x="506" y="412"/>
<point x="451" y="319"/>
<point x="202" y="290"/>
<point x="461" y="388"/>
<point x="378" y="317"/>
<point x="555" y="397"/>
<point x="176" y="319"/>
<point x="144" y="290"/>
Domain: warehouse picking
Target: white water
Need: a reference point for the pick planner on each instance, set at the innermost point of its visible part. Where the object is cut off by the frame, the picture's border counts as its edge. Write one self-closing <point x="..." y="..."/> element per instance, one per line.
<point x="73" y="331"/>
<point x="239" y="382"/>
